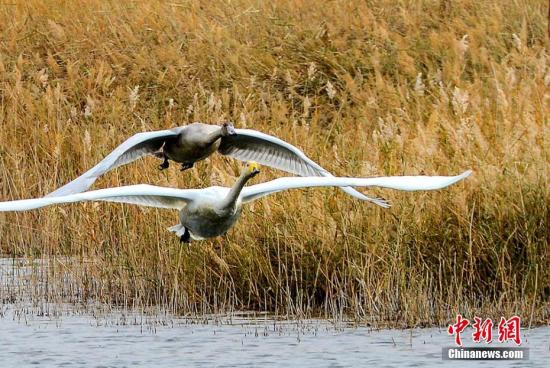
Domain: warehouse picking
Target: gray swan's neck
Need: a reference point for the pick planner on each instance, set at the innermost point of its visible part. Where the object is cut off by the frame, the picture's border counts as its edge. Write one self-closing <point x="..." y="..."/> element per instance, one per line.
<point x="211" y="138"/>
<point x="230" y="201"/>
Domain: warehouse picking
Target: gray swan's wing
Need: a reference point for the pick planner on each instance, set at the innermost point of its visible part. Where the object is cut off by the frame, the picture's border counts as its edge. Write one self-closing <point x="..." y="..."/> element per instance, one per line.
<point x="251" y="145"/>
<point x="133" y="148"/>
<point x="142" y="194"/>
<point x="408" y="183"/>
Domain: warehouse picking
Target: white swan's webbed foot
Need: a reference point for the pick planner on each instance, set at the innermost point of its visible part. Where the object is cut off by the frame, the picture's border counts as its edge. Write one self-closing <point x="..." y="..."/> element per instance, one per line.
<point x="186" y="237"/>
<point x="186" y="165"/>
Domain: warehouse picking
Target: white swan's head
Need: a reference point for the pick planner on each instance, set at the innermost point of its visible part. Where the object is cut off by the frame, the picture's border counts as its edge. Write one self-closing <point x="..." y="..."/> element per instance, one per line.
<point x="228" y="129"/>
<point x="252" y="169"/>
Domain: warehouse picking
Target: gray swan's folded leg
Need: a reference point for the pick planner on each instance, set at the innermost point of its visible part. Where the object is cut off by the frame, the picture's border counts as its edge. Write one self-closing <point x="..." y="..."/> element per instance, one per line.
<point x="165" y="164"/>
<point x="186" y="165"/>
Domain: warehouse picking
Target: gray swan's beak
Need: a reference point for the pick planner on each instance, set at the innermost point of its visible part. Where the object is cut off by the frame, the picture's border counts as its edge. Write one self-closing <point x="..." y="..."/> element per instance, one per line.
<point x="231" y="130"/>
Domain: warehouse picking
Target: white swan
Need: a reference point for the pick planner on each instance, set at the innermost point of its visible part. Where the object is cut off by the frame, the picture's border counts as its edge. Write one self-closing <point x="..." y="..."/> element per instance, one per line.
<point x="197" y="141"/>
<point x="210" y="212"/>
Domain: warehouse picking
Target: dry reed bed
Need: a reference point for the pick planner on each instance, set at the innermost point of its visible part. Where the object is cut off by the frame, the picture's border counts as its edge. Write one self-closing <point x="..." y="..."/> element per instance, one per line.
<point x="364" y="88"/>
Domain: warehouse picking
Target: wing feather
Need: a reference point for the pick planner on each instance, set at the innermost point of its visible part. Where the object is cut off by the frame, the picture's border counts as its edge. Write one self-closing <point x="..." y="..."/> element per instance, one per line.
<point x="271" y="151"/>
<point x="267" y="150"/>
<point x="133" y="148"/>
<point x="407" y="183"/>
<point x="144" y="195"/>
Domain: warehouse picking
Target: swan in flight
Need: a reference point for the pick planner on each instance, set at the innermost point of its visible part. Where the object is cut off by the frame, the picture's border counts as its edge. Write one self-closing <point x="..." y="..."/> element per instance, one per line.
<point x="191" y="143"/>
<point x="210" y="212"/>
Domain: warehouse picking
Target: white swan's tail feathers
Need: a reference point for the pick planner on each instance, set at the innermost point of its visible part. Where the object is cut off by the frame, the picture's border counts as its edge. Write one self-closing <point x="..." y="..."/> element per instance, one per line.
<point x="178" y="229"/>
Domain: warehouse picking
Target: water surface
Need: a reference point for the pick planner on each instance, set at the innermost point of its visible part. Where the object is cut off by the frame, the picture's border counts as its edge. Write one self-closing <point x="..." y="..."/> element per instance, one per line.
<point x="131" y="340"/>
<point x="48" y="335"/>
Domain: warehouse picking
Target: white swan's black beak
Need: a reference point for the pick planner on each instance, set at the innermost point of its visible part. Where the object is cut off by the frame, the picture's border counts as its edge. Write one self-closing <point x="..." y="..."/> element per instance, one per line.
<point x="253" y="169"/>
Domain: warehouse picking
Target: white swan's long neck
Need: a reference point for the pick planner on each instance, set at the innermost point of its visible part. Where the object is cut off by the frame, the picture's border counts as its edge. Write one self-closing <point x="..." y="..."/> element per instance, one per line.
<point x="230" y="201"/>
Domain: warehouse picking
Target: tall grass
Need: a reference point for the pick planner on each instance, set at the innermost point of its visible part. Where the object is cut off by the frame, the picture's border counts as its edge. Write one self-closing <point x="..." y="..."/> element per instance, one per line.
<point x="364" y="88"/>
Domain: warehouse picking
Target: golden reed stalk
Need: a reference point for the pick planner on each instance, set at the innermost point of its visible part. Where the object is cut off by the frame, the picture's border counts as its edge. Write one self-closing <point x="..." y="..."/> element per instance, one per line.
<point x="364" y="88"/>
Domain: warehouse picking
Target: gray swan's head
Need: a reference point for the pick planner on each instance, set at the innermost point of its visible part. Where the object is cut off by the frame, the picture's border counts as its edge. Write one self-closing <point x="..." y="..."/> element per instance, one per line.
<point x="228" y="129"/>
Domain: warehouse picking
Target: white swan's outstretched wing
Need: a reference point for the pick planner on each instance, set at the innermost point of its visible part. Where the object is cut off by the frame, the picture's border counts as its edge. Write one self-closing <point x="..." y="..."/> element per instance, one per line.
<point x="251" y="145"/>
<point x="143" y="194"/>
<point x="393" y="182"/>
<point x="133" y="148"/>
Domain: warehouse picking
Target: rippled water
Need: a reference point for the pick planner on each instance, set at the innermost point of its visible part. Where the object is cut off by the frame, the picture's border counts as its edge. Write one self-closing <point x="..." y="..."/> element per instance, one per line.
<point x="84" y="340"/>
<point x="30" y="335"/>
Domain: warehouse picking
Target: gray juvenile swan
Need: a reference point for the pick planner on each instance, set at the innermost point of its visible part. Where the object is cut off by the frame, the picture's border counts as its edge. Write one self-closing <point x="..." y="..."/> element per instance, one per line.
<point x="210" y="212"/>
<point x="197" y="141"/>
